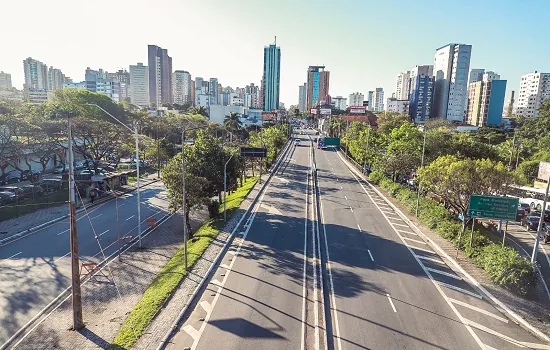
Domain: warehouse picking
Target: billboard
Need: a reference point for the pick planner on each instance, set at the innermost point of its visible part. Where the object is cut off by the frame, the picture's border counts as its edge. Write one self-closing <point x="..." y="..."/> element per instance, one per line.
<point x="313" y="111"/>
<point x="325" y="111"/>
<point x="544" y="171"/>
<point x="357" y="109"/>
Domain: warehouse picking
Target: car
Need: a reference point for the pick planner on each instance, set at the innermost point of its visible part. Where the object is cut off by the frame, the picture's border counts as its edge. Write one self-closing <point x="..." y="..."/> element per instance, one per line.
<point x="32" y="191"/>
<point x="61" y="169"/>
<point x="11" y="177"/>
<point x="7" y="197"/>
<point x="78" y="166"/>
<point x="31" y="175"/>
<point x="87" y="172"/>
<point x="298" y="142"/>
<point x="531" y="222"/>
<point x="51" y="185"/>
<point x="18" y="192"/>
<point x="546" y="235"/>
<point x="521" y="213"/>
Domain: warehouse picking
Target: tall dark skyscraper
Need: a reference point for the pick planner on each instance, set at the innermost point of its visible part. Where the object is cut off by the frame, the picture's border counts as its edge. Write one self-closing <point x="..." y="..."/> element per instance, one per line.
<point x="271" y="77"/>
<point x="160" y="75"/>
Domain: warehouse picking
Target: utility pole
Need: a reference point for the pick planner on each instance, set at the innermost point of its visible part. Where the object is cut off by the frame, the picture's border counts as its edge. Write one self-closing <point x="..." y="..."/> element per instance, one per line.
<point x="78" y="322"/>
<point x="541" y="222"/>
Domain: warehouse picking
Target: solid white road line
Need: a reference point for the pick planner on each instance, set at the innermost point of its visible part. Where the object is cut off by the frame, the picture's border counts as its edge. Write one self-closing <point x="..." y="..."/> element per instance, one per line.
<point x="452" y="275"/>
<point x="61" y="257"/>
<point x="130" y="217"/>
<point x="96" y="216"/>
<point x="13" y="256"/>
<point x="370" y="255"/>
<point x="206" y="306"/>
<point x="408" y="232"/>
<point x="304" y="274"/>
<point x="396" y="224"/>
<point x="431" y="259"/>
<point x="502" y="336"/>
<point x="391" y="303"/>
<point x="392" y="218"/>
<point x="421" y="249"/>
<point x="191" y="331"/>
<point x="461" y="290"/>
<point x="414" y="240"/>
<point x="475" y="308"/>
<point x="101" y="234"/>
<point x="359" y="227"/>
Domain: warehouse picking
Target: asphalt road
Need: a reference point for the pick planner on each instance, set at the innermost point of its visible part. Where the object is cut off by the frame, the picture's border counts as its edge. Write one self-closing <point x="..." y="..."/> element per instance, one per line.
<point x="261" y="304"/>
<point x="35" y="269"/>
<point x="391" y="290"/>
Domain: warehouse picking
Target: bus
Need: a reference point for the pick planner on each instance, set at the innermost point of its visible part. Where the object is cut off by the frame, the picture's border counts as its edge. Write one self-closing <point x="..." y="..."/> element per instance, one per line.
<point x="532" y="196"/>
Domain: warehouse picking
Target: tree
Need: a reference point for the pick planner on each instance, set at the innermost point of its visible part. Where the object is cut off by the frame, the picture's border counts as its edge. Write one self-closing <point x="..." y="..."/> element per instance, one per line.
<point x="404" y="150"/>
<point x="389" y="121"/>
<point x="199" y="110"/>
<point x="233" y="124"/>
<point x="159" y="152"/>
<point x="455" y="179"/>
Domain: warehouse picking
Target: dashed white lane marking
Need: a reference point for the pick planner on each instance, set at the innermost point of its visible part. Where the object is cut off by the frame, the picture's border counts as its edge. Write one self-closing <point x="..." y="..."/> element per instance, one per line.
<point x="359" y="227"/>
<point x="452" y="275"/>
<point x="191" y="331"/>
<point x="350" y="208"/>
<point x="60" y="233"/>
<point x="414" y="240"/>
<point x="391" y="303"/>
<point x="475" y="308"/>
<point x="346" y="197"/>
<point x="461" y="290"/>
<point x="61" y="257"/>
<point x="130" y="217"/>
<point x="206" y="306"/>
<point x="101" y="234"/>
<point x="95" y="217"/>
<point x="431" y="259"/>
<point x="341" y="188"/>
<point x="370" y="255"/>
<point x="13" y="256"/>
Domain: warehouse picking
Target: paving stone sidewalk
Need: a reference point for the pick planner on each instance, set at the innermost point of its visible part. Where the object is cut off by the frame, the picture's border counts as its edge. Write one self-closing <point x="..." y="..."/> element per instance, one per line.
<point x="108" y="300"/>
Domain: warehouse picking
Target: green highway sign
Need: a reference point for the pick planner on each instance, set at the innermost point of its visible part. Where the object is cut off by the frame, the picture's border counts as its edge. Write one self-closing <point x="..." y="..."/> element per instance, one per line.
<point x="332" y="141"/>
<point x="493" y="207"/>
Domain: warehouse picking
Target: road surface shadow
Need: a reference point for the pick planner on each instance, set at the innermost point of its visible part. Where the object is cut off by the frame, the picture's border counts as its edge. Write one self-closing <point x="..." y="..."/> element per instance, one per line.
<point x="244" y="328"/>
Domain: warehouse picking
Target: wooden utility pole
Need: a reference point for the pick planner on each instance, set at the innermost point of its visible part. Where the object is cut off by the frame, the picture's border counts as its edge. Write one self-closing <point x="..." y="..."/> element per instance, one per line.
<point x="78" y="323"/>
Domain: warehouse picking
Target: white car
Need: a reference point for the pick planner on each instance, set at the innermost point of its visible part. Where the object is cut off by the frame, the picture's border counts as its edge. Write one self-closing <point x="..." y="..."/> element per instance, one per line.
<point x="298" y="142"/>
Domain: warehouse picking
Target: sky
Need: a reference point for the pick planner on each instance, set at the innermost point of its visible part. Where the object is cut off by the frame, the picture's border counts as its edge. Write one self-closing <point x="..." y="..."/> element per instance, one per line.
<point x="363" y="43"/>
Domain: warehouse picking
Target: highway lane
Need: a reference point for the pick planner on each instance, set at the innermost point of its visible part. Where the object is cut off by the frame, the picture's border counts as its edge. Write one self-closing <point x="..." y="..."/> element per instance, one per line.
<point x="390" y="289"/>
<point x="36" y="268"/>
<point x="255" y="299"/>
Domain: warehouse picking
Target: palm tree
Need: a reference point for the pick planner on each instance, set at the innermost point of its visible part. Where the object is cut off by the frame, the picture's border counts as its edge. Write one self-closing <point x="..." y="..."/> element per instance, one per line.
<point x="199" y="110"/>
<point x="232" y="123"/>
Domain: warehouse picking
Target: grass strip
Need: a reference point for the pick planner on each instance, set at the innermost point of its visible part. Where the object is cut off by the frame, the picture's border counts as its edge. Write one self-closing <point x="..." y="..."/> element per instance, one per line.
<point x="174" y="271"/>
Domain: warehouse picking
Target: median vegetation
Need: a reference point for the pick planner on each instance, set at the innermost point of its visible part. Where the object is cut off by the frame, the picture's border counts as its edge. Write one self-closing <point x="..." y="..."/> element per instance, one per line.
<point x="174" y="272"/>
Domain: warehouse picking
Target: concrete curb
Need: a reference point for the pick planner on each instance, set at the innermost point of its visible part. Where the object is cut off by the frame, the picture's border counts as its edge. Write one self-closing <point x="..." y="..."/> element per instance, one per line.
<point x="524" y="324"/>
<point x="216" y="261"/>
<point x="18" y="235"/>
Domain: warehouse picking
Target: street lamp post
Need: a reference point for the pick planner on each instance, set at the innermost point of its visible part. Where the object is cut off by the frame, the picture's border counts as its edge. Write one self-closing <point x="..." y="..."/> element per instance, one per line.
<point x="421" y="165"/>
<point x="225" y="188"/>
<point x="138" y="189"/>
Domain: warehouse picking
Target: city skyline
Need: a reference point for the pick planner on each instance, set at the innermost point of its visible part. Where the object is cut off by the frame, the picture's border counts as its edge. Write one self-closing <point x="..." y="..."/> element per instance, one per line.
<point x="353" y="68"/>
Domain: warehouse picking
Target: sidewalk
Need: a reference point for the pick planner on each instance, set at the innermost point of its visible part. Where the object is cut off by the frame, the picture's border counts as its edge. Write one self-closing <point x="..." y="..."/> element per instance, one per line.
<point x="31" y="221"/>
<point x="105" y="310"/>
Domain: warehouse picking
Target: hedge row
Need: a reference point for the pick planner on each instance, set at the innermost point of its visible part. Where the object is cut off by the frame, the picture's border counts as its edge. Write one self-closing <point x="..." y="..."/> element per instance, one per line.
<point x="504" y="265"/>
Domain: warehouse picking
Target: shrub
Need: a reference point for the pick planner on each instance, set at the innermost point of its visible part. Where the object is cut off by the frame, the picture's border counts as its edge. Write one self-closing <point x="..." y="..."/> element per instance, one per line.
<point x="376" y="176"/>
<point x="213" y="208"/>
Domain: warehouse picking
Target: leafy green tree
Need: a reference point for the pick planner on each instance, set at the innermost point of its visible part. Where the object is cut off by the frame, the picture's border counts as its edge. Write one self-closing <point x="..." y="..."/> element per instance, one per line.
<point x="233" y="124"/>
<point x="404" y="150"/>
<point x="389" y="121"/>
<point x="455" y="179"/>
<point x="199" y="110"/>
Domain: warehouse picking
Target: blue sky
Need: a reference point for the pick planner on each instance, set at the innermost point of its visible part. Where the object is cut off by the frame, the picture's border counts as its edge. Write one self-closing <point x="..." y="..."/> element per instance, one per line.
<point x="364" y="43"/>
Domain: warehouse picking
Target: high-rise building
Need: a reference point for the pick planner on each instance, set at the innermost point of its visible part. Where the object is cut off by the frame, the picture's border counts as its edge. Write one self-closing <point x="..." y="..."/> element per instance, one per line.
<point x="402" y="87"/>
<point x="486" y="100"/>
<point x="199" y="90"/>
<point x="302" y="93"/>
<point x="509" y="105"/>
<point x="36" y="73"/>
<point x="420" y="100"/>
<point x="356" y="99"/>
<point x="160" y="75"/>
<point x="55" y="79"/>
<point x="476" y="74"/>
<point x="181" y="87"/>
<point x="123" y="78"/>
<point x="451" y="68"/>
<point x="534" y="88"/>
<point x="102" y="82"/>
<point x="378" y="100"/>
<point x="318" y="83"/>
<point x="339" y="102"/>
<point x="393" y="105"/>
<point x="271" y="77"/>
<point x="139" y="85"/>
<point x="370" y="101"/>
<point x="5" y="81"/>
<point x="214" y="91"/>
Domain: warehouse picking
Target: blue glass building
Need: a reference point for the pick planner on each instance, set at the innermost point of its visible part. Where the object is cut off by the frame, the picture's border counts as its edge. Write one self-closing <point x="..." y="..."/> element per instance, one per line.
<point x="420" y="101"/>
<point x="271" y="77"/>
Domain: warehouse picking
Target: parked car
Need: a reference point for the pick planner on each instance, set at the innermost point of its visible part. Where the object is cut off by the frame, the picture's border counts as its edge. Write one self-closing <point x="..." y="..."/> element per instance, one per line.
<point x="546" y="234"/>
<point x="17" y="191"/>
<point x="11" y="177"/>
<point x="530" y="222"/>
<point x="51" y="185"/>
<point x="7" y="197"/>
<point x="298" y="142"/>
<point x="61" y="169"/>
<point x="78" y="166"/>
<point x="32" y="191"/>
<point x="32" y="175"/>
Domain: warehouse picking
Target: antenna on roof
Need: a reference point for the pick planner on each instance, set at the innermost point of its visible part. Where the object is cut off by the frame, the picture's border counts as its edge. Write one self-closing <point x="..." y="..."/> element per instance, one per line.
<point x="275" y="40"/>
